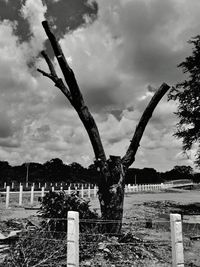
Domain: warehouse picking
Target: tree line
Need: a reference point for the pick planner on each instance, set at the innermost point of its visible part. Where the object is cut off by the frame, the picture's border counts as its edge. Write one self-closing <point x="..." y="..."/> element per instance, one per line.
<point x="55" y="170"/>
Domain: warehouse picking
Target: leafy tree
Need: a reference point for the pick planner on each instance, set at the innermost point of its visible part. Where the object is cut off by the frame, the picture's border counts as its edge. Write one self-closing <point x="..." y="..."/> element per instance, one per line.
<point x="178" y="172"/>
<point x="113" y="169"/>
<point x="187" y="93"/>
<point x="184" y="170"/>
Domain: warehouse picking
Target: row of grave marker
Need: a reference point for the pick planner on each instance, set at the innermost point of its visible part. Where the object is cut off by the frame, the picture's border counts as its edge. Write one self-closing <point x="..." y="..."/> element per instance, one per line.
<point x="89" y="192"/>
<point x="128" y="187"/>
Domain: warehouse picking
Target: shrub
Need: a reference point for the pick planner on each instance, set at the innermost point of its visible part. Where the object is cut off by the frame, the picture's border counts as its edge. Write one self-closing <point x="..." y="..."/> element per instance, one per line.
<point x="55" y="206"/>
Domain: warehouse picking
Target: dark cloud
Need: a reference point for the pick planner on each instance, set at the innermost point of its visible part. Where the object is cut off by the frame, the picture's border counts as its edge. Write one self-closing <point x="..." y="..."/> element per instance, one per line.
<point x="149" y="53"/>
<point x="100" y="99"/>
<point x="9" y="143"/>
<point x="69" y="14"/>
<point x="10" y="10"/>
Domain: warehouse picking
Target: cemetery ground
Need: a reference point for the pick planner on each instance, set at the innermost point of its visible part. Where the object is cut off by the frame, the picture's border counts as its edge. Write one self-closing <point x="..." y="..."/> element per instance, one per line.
<point x="146" y="239"/>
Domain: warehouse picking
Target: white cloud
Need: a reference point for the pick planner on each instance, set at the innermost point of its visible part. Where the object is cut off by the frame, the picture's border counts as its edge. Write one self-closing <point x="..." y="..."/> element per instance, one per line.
<point x="34" y="12"/>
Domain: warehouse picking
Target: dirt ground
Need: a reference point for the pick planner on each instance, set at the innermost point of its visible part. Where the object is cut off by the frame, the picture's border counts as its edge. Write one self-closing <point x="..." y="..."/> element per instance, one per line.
<point x="146" y="217"/>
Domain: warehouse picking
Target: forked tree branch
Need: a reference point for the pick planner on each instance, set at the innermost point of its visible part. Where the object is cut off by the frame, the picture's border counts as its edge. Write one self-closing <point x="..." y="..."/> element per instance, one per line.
<point x="53" y="76"/>
<point x="76" y="98"/>
<point x="129" y="157"/>
<point x="66" y="70"/>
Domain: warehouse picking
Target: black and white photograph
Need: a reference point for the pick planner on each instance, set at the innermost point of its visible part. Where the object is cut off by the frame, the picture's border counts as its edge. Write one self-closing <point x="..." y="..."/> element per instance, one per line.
<point x="99" y="133"/>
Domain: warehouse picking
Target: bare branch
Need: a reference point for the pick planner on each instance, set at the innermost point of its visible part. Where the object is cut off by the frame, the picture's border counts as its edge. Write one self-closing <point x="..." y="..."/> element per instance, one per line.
<point x="66" y="70"/>
<point x="44" y="73"/>
<point x="129" y="157"/>
<point x="77" y="100"/>
<point x="53" y="76"/>
<point x="49" y="63"/>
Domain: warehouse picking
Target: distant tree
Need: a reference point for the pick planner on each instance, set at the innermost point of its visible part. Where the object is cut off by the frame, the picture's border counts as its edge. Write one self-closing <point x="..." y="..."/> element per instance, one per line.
<point x="113" y="169"/>
<point x="185" y="170"/>
<point x="6" y="172"/>
<point x="178" y="172"/>
<point x="187" y="93"/>
<point x="55" y="169"/>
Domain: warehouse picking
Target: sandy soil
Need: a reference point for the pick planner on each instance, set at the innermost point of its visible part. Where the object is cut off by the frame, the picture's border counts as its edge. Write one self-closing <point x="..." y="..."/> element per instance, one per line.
<point x="138" y="209"/>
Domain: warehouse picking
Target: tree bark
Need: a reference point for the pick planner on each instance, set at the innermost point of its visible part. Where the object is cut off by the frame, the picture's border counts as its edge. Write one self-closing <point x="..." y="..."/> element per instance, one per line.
<point x="111" y="193"/>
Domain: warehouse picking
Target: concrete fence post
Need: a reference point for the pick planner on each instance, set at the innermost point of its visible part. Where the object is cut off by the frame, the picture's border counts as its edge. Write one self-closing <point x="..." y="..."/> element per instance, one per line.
<point x="4" y="186"/>
<point x="39" y="185"/>
<point x="26" y="184"/>
<point x="13" y="185"/>
<point x="95" y="190"/>
<point x="32" y="194"/>
<point x="69" y="190"/>
<point x="177" y="240"/>
<point x="73" y="239"/>
<point x="42" y="192"/>
<point x="7" y="196"/>
<point x="89" y="191"/>
<point x="52" y="189"/>
<point x="45" y="185"/>
<point x="20" y="194"/>
<point x="82" y="191"/>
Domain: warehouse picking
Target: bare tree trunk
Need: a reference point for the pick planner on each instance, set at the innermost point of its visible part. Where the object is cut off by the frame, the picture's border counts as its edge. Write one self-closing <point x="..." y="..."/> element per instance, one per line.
<point x="111" y="193"/>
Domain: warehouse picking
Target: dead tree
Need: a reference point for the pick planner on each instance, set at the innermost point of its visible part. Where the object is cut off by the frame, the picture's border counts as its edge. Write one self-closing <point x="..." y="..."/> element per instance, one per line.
<point x="112" y="170"/>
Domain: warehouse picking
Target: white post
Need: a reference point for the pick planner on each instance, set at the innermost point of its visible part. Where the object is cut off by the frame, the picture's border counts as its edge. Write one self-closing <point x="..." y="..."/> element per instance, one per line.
<point x="95" y="190"/>
<point x="4" y="185"/>
<point x="52" y="189"/>
<point x="12" y="185"/>
<point x="45" y="185"/>
<point x="82" y="191"/>
<point x="26" y="184"/>
<point x="73" y="239"/>
<point x="69" y="190"/>
<point x="129" y="188"/>
<point x="42" y="192"/>
<point x="7" y="196"/>
<point x="20" y="194"/>
<point x="32" y="194"/>
<point x="39" y="185"/>
<point x="177" y="240"/>
<point x="89" y="191"/>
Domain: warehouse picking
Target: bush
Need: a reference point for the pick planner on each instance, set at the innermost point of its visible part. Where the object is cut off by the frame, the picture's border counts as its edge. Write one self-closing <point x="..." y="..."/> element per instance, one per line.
<point x="55" y="206"/>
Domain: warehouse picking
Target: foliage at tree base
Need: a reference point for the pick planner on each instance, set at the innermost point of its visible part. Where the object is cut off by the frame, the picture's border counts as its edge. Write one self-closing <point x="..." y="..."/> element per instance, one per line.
<point x="55" y="206"/>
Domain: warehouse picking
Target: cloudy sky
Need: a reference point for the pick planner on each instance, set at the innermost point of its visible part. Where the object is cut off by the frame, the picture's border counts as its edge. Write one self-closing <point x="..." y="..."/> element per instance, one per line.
<point x="120" y="51"/>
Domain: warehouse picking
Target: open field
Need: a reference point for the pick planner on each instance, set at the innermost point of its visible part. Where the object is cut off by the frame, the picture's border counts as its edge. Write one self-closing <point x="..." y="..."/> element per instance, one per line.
<point x="146" y="216"/>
